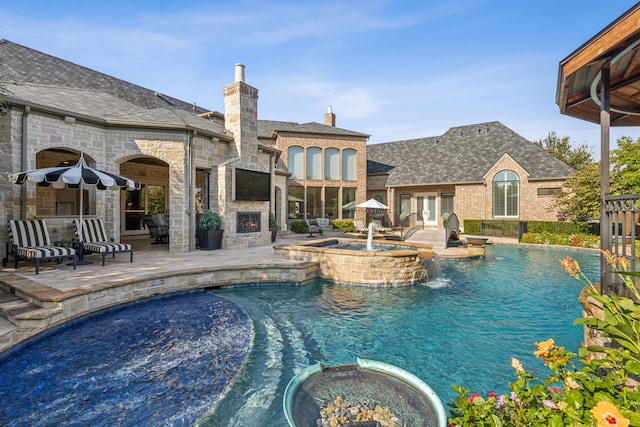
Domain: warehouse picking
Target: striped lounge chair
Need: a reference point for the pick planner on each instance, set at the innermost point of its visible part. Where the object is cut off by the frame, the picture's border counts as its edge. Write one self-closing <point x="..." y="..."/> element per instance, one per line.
<point x="95" y="239"/>
<point x="30" y="241"/>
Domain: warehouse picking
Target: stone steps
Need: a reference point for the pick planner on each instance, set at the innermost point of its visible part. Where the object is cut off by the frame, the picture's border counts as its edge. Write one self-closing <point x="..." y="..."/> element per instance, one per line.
<point x="21" y="313"/>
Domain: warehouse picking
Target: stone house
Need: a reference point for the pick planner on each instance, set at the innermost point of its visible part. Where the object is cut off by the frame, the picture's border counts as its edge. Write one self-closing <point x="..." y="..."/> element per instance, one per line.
<point x="326" y="166"/>
<point x="187" y="158"/>
<point x="480" y="171"/>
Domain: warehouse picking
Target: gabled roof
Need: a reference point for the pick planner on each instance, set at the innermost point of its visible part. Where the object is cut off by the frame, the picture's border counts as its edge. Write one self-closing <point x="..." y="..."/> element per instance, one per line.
<point x="463" y="154"/>
<point x="268" y="129"/>
<point x="40" y="79"/>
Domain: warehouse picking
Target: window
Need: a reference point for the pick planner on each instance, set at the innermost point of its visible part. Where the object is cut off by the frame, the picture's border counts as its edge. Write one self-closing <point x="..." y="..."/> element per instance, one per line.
<point x="405" y="206"/>
<point x="332" y="163"/>
<point x="548" y="191"/>
<point x="295" y="202"/>
<point x="331" y="202"/>
<point x="446" y="201"/>
<point x="314" y="163"/>
<point x="349" y="165"/>
<point x="506" y="189"/>
<point x="348" y="203"/>
<point x="202" y="190"/>
<point x="314" y="202"/>
<point x="295" y="158"/>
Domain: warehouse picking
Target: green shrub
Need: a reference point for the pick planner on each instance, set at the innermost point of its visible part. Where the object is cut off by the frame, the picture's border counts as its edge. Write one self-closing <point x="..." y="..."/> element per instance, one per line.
<point x="298" y="226"/>
<point x="345" y="225"/>
<point x="272" y="220"/>
<point x="576" y="240"/>
<point x="210" y="220"/>
<point x="471" y="226"/>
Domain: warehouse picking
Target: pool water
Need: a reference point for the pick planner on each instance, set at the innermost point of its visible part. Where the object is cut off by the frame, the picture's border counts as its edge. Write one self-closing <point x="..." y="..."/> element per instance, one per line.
<point x="461" y="328"/>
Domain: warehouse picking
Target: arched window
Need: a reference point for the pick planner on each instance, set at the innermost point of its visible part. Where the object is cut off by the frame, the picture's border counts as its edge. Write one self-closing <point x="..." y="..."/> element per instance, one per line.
<point x="332" y="163"/>
<point x="506" y="194"/>
<point x="295" y="158"/>
<point x="349" y="172"/>
<point x="314" y="163"/>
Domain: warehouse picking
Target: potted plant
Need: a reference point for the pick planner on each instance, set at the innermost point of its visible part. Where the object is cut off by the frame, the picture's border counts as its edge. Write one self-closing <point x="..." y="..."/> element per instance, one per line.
<point x="273" y="226"/>
<point x="210" y="230"/>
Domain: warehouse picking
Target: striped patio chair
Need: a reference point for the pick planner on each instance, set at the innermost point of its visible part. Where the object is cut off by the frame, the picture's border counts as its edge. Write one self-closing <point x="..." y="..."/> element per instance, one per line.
<point x="95" y="239"/>
<point x="30" y="241"/>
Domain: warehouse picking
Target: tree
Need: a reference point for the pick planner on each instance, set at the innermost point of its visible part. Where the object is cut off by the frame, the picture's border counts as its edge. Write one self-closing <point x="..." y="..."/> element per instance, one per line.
<point x="625" y="162"/>
<point x="561" y="149"/>
<point x="580" y="198"/>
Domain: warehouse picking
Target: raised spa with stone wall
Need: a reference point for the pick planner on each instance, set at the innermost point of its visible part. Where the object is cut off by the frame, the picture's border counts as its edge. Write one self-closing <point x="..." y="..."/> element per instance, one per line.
<point x="349" y="261"/>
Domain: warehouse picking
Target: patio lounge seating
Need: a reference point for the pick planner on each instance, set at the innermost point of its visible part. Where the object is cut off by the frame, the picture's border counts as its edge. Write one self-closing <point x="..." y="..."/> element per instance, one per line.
<point x="377" y="226"/>
<point x="324" y="224"/>
<point x="158" y="228"/>
<point x="359" y="226"/>
<point x="96" y="240"/>
<point x="312" y="228"/>
<point x="30" y="241"/>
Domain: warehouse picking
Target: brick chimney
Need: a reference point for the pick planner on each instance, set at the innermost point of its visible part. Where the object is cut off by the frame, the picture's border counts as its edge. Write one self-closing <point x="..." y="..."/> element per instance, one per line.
<point x="330" y="118"/>
<point x="241" y="114"/>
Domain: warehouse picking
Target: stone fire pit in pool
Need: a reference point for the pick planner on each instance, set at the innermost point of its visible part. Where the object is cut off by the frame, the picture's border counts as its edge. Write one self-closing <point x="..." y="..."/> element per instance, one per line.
<point x="348" y="261"/>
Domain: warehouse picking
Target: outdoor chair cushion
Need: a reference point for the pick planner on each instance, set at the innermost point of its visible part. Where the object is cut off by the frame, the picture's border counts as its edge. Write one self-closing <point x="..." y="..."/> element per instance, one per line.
<point x="30" y="240"/>
<point x="360" y="227"/>
<point x="323" y="223"/>
<point x="312" y="228"/>
<point x="95" y="239"/>
<point x="158" y="227"/>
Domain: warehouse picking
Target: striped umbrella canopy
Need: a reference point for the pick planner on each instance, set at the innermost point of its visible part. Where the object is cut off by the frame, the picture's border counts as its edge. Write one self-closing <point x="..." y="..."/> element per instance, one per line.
<point x="75" y="176"/>
<point x="78" y="176"/>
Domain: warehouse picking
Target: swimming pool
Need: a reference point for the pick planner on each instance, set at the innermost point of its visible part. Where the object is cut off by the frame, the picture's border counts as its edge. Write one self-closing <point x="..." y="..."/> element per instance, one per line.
<point x="460" y="328"/>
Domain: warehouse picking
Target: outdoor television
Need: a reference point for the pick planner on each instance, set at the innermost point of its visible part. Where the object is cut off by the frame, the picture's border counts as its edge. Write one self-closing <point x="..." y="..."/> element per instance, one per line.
<point x="253" y="185"/>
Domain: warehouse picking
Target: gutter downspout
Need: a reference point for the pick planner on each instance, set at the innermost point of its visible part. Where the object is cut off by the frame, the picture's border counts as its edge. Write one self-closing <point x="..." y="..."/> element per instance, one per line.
<point x="24" y="160"/>
<point x="189" y="185"/>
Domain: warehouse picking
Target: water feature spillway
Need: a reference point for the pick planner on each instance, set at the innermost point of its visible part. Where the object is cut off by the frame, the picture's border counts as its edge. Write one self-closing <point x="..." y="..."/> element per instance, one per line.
<point x="379" y="263"/>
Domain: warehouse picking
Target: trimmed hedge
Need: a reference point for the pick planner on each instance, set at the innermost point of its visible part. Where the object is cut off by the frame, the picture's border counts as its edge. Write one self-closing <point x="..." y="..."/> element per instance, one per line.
<point x="472" y="226"/>
<point x="345" y="225"/>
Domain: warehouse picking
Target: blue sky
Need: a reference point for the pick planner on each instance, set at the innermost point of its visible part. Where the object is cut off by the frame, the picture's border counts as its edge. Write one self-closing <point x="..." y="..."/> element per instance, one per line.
<point x="392" y="69"/>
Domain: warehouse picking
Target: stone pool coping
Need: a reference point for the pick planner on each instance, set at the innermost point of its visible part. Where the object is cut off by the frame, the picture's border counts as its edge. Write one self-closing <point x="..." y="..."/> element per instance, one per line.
<point x="34" y="303"/>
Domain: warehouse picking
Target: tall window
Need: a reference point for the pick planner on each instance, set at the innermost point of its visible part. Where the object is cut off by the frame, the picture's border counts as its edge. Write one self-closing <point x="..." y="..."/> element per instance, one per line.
<point x="506" y="194"/>
<point x="446" y="204"/>
<point x="314" y="163"/>
<point x="348" y="203"/>
<point x="295" y="202"/>
<point x="349" y="172"/>
<point x="295" y="158"/>
<point x="405" y="205"/>
<point x="332" y="163"/>
<point x="202" y="190"/>
<point x="314" y="202"/>
<point x="331" y="202"/>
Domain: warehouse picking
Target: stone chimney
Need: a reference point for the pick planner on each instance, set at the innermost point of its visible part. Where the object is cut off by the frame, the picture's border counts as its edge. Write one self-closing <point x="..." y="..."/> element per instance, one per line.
<point x="330" y="118"/>
<point x="241" y="115"/>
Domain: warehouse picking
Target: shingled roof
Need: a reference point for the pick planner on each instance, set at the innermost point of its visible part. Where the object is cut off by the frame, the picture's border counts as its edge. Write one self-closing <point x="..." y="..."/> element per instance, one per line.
<point x="267" y="129"/>
<point x="41" y="79"/>
<point x="462" y="155"/>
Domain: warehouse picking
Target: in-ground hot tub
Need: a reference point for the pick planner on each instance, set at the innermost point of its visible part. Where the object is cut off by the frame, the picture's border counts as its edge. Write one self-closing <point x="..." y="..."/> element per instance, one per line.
<point x="349" y="261"/>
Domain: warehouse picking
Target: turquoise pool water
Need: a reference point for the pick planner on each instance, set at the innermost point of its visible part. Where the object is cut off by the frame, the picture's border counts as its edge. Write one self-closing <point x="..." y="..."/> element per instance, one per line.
<point x="461" y="327"/>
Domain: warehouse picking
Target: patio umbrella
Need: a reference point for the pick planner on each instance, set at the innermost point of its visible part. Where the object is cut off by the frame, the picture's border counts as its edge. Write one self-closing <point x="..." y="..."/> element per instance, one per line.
<point x="372" y="204"/>
<point x="78" y="176"/>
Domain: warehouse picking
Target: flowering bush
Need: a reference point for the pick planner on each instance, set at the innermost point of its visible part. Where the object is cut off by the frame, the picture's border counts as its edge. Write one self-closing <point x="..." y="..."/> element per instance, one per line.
<point x="581" y="390"/>
<point x="578" y="240"/>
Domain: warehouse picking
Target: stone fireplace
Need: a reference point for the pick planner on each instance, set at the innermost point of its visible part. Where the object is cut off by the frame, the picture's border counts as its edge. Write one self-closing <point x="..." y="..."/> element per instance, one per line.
<point x="248" y="222"/>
